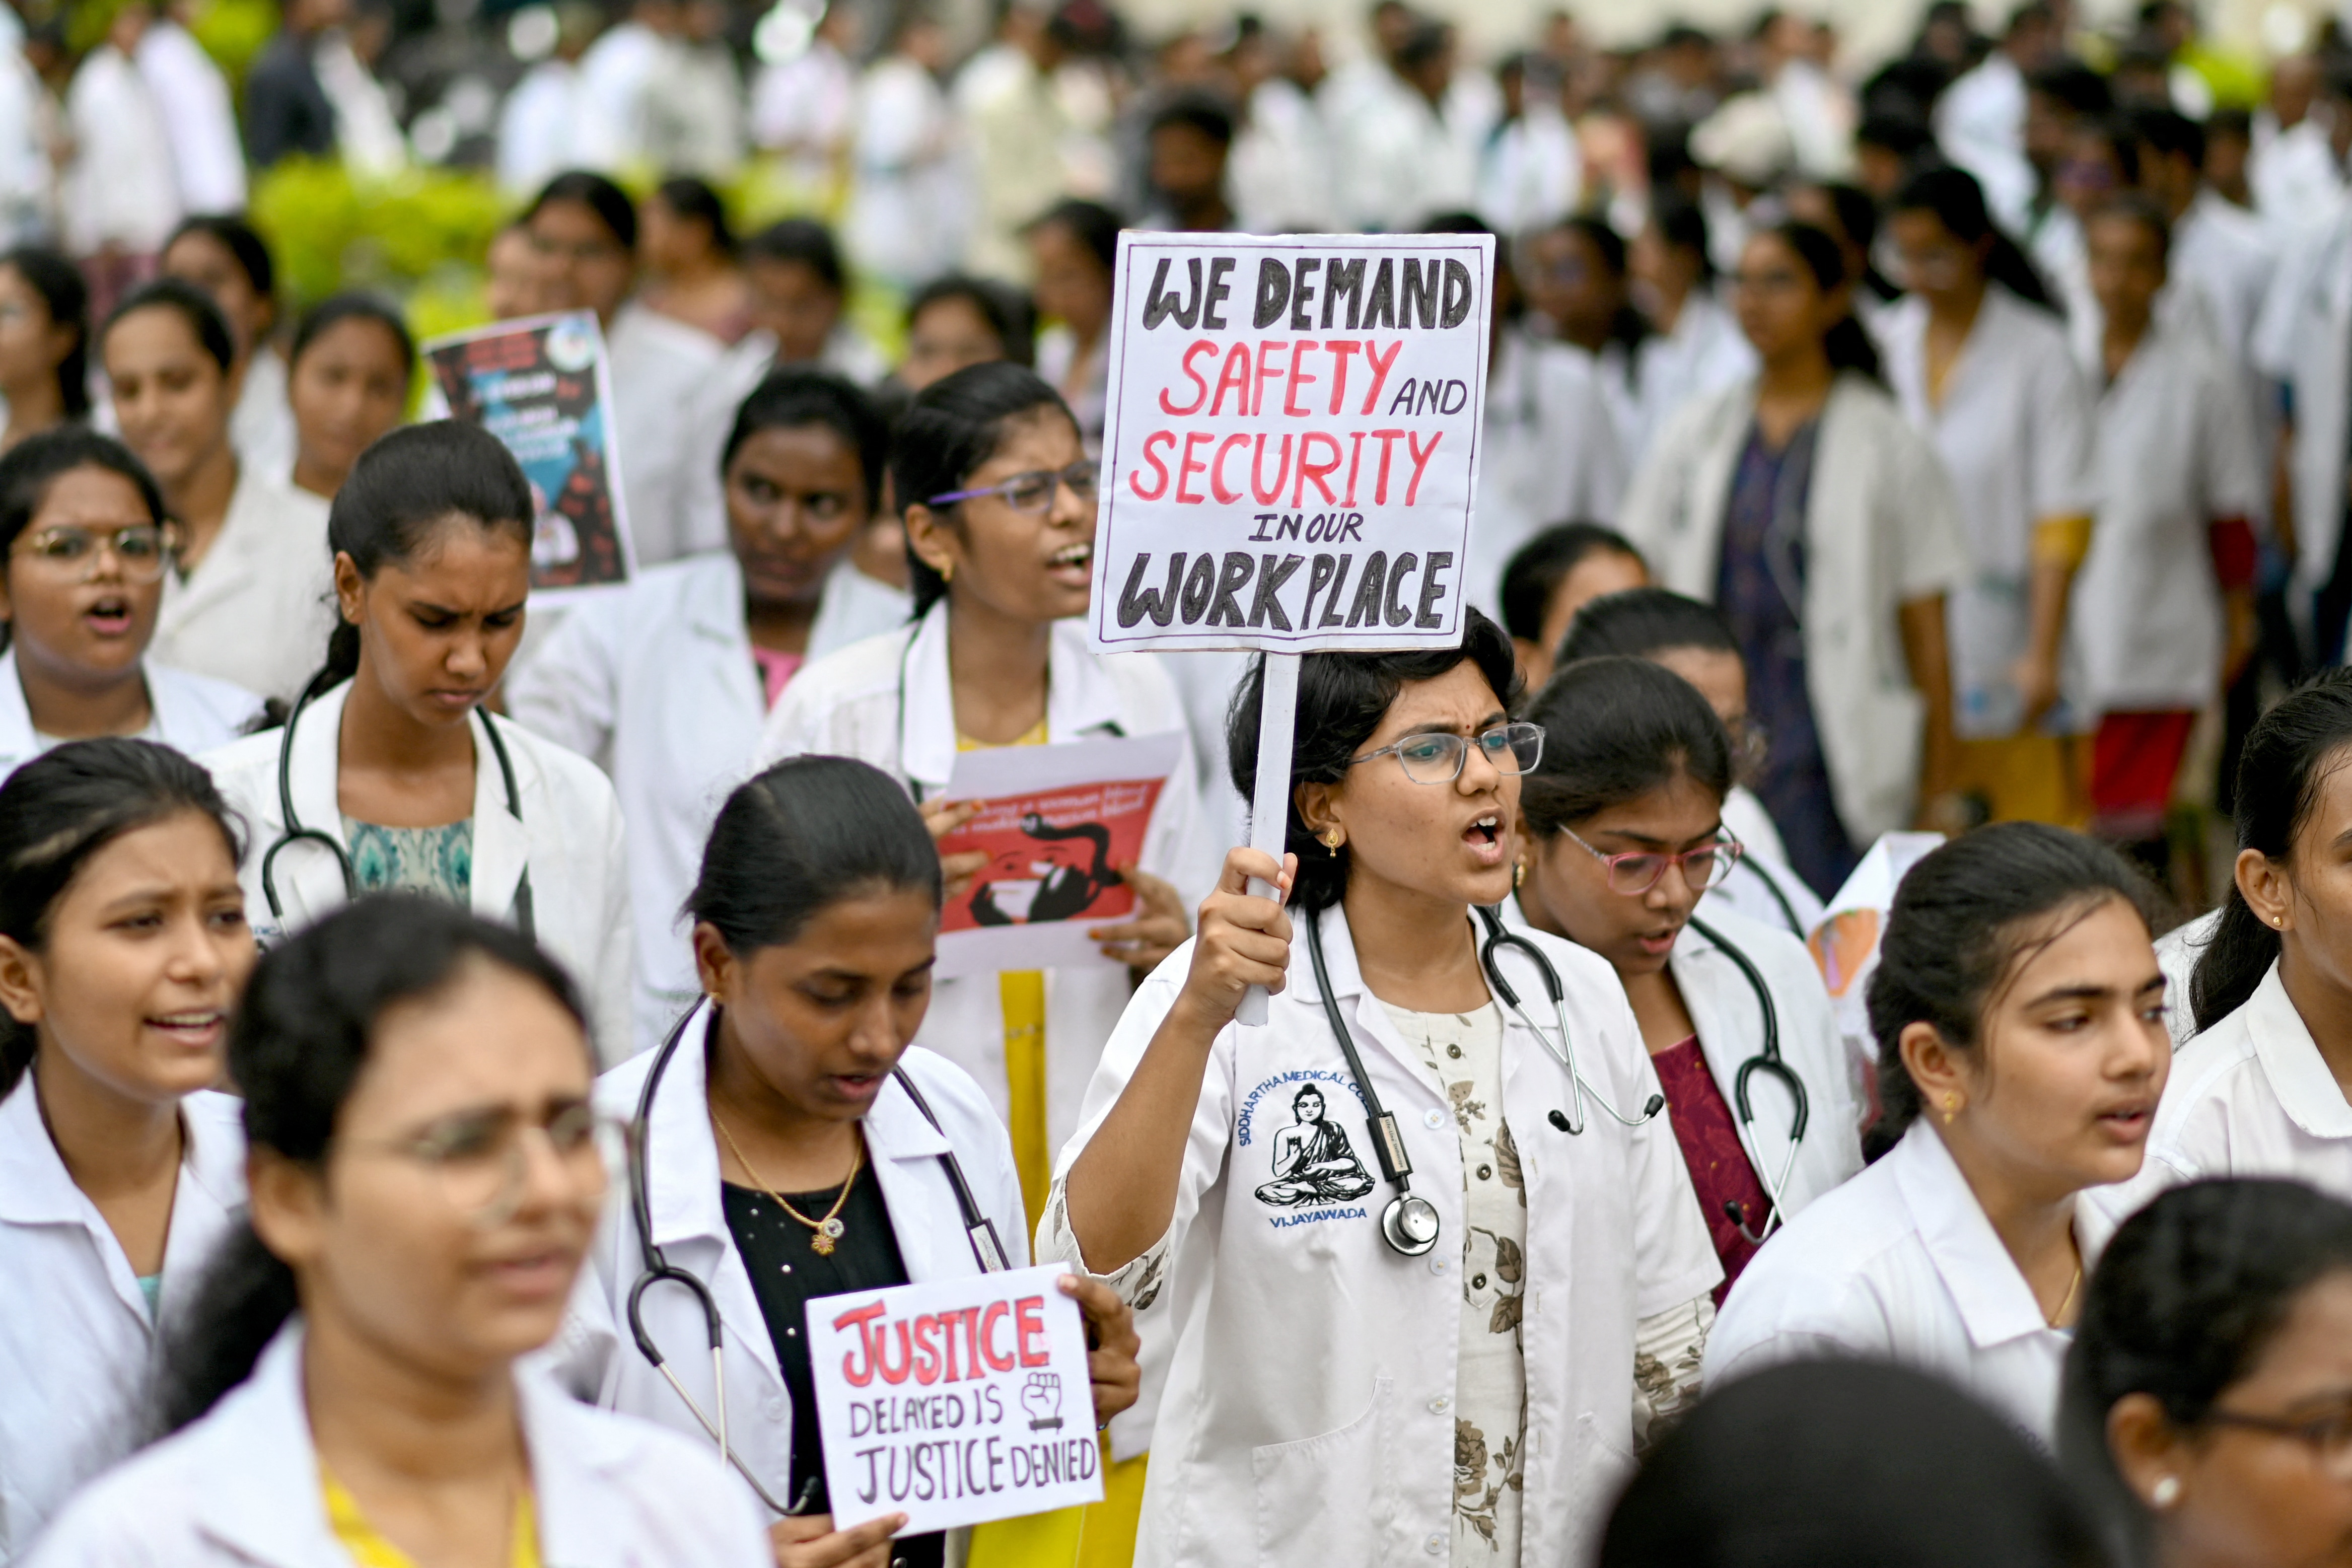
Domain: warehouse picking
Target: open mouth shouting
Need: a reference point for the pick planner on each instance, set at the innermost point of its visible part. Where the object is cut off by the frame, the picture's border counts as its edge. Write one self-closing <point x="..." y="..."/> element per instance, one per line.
<point x="1484" y="838"/>
<point x="1073" y="564"/>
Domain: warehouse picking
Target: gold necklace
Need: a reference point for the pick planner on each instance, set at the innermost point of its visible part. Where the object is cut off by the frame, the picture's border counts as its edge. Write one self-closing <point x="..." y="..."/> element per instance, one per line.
<point x="2058" y="1318"/>
<point x="828" y="1229"/>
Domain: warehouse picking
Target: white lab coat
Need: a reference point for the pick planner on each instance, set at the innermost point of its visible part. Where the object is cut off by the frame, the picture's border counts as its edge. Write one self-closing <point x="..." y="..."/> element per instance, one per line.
<point x="1705" y="352"/>
<point x="906" y="221"/>
<point x="1881" y="530"/>
<point x="2292" y="173"/>
<point x="2175" y="451"/>
<point x="2014" y="432"/>
<point x="191" y="97"/>
<point x="1981" y="126"/>
<point x="77" y="1345"/>
<point x="1901" y="1264"/>
<point x="659" y="365"/>
<point x="262" y="427"/>
<point x="568" y="838"/>
<point x="1530" y="171"/>
<point x="1397" y="158"/>
<point x="189" y="714"/>
<point x="259" y="605"/>
<point x="1280" y="173"/>
<point x="2250" y="1097"/>
<point x="657" y="685"/>
<point x="240" y="1489"/>
<point x="2304" y="338"/>
<point x="1308" y="1418"/>
<point x="595" y="1355"/>
<point x="886" y="701"/>
<point x="119" y="189"/>
<point x="1551" y="455"/>
<point x="1762" y="886"/>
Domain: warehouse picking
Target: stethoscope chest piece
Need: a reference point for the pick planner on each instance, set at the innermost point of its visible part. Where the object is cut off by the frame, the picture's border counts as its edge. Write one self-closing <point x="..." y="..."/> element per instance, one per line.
<point x="1410" y="1224"/>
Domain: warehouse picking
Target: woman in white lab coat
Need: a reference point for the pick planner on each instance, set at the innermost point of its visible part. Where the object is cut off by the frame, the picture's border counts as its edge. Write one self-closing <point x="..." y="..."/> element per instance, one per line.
<point x="2020" y="1016"/>
<point x="249" y="599"/>
<point x="224" y="256"/>
<point x="122" y="947"/>
<point x="1983" y="369"/>
<point x="390" y="774"/>
<point x="1623" y="827"/>
<point x="426" y="1168"/>
<point x="1693" y="640"/>
<point x="84" y="546"/>
<point x="1364" y="1370"/>
<point x="1000" y="526"/>
<point x="2259" y="1090"/>
<point x="1697" y="347"/>
<point x="351" y="369"/>
<point x="796" y="1145"/>
<point x="667" y="684"/>
<point x="1808" y="472"/>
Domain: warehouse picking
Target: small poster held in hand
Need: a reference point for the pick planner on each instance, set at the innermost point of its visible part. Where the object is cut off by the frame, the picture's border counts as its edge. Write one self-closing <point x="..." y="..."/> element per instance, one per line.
<point x="954" y="1402"/>
<point x="1057" y="823"/>
<point x="543" y="387"/>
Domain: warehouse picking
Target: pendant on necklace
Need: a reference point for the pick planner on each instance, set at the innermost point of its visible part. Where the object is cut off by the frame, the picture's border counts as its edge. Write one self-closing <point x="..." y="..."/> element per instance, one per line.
<point x="828" y="1232"/>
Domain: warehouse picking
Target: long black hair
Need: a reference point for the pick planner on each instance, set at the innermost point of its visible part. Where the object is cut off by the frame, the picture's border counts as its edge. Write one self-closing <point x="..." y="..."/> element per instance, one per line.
<point x="1637" y="623"/>
<point x="1539" y="567"/>
<point x="402" y="490"/>
<point x="599" y="196"/>
<point x="1342" y="698"/>
<point x="953" y="427"/>
<point x="29" y="468"/>
<point x="1628" y="326"/>
<point x="244" y="244"/>
<point x="1958" y="202"/>
<point x="2291" y="754"/>
<point x="353" y="305"/>
<point x="296" y="1046"/>
<point x="694" y="201"/>
<point x="1964" y="917"/>
<point x="1854" y="1463"/>
<point x="1615" y="730"/>
<point x="1003" y="311"/>
<point x="66" y="297"/>
<point x="2185" y="1302"/>
<point x="796" y="396"/>
<point x="191" y="304"/>
<point x="804" y="835"/>
<point x="1846" y="345"/>
<point x="57" y="811"/>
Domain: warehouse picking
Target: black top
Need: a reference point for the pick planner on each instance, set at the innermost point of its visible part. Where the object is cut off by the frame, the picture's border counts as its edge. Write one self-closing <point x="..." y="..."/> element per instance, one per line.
<point x="786" y="1274"/>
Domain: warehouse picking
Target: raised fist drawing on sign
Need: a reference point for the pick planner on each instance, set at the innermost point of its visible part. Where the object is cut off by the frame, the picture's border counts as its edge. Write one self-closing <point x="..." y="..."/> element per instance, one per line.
<point x="1041" y="1397"/>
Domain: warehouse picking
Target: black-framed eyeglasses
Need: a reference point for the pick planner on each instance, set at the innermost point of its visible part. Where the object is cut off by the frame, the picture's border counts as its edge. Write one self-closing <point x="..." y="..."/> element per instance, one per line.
<point x="1436" y="757"/>
<point x="1637" y="871"/>
<point x="2329" y="1437"/>
<point x="1032" y="492"/>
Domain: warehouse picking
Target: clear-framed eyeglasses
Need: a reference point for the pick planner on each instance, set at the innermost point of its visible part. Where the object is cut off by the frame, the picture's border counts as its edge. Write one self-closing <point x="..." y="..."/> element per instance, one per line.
<point x="1637" y="871"/>
<point x="140" y="550"/>
<point x="1436" y="756"/>
<point x="1033" y="491"/>
<point x="481" y="1158"/>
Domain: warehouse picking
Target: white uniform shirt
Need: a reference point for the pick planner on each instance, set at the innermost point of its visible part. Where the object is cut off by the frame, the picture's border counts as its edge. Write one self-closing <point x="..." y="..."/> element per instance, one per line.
<point x="2304" y="338"/>
<point x="1881" y="531"/>
<point x="1280" y="170"/>
<point x="2178" y="953"/>
<point x="568" y="838"/>
<point x="2175" y="451"/>
<point x="595" y="1355"/>
<point x="119" y="189"/>
<point x="2250" y="1097"/>
<point x="657" y="686"/>
<point x="886" y="701"/>
<point x="191" y="96"/>
<point x="1552" y="455"/>
<point x="1308" y="1416"/>
<point x="659" y="365"/>
<point x="240" y="1488"/>
<point x="189" y="714"/>
<point x="1530" y="171"/>
<point x="77" y="1343"/>
<point x="1705" y="352"/>
<point x="1900" y="1263"/>
<point x="2014" y="431"/>
<point x="907" y="206"/>
<point x="262" y="427"/>
<point x="259" y="606"/>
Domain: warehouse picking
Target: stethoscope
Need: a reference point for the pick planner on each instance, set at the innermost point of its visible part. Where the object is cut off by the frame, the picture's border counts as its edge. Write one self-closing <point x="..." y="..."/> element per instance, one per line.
<point x="1410" y="1223"/>
<point x="987" y="1250"/>
<point x="293" y="832"/>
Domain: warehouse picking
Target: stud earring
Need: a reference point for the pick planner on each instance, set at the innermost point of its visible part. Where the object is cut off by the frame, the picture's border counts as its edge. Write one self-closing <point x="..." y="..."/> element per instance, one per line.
<point x="2165" y="1492"/>
<point x="2279" y="920"/>
<point x="947" y="571"/>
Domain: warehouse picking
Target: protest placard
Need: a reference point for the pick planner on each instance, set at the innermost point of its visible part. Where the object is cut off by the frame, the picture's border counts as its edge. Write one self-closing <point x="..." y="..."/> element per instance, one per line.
<point x="1057" y="823"/>
<point x="1291" y="448"/>
<point x="955" y="1401"/>
<point x="543" y="387"/>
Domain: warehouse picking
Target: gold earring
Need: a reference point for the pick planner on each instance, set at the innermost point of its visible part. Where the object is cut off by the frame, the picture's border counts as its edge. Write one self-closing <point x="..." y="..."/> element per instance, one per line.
<point x="1518" y="874"/>
<point x="1331" y="841"/>
<point x="947" y="571"/>
<point x="1951" y="1108"/>
<point x="2279" y="920"/>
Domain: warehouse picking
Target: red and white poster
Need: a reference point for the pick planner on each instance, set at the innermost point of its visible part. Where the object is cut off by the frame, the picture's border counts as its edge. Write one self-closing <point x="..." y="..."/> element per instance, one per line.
<point x="1057" y="823"/>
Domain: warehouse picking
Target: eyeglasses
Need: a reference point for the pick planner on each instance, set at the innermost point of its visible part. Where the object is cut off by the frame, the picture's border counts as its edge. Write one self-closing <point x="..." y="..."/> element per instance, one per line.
<point x="1436" y="757"/>
<point x="140" y="550"/>
<point x="1033" y="491"/>
<point x="1637" y="872"/>
<point x="480" y="1161"/>
<point x="2329" y="1437"/>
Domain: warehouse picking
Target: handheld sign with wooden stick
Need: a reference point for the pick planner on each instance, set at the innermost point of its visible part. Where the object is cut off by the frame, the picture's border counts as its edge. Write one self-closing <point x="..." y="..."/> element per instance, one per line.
<point x="1290" y="453"/>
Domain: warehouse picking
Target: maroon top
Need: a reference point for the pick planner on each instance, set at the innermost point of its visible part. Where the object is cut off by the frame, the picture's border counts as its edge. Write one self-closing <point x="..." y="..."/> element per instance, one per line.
<point x="1709" y="1134"/>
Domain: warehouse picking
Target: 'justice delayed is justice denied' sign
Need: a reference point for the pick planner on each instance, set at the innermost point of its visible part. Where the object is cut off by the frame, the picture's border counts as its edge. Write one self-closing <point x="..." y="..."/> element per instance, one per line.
<point x="1291" y="444"/>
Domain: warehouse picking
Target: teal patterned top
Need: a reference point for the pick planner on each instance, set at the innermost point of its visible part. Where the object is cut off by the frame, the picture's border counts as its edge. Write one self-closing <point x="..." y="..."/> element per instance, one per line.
<point x="435" y="861"/>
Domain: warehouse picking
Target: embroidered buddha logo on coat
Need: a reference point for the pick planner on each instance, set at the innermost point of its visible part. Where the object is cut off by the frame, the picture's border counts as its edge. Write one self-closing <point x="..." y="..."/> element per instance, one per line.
<point x="1313" y="1164"/>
